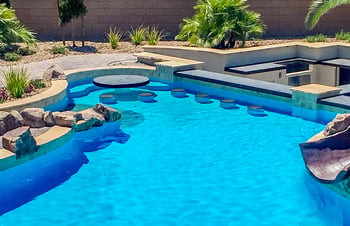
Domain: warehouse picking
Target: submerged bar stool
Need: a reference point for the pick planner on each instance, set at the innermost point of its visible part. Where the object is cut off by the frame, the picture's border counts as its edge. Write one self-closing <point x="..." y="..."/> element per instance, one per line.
<point x="228" y="104"/>
<point x="106" y="98"/>
<point x="202" y="98"/>
<point x="179" y="93"/>
<point x="147" y="97"/>
<point x="256" y="110"/>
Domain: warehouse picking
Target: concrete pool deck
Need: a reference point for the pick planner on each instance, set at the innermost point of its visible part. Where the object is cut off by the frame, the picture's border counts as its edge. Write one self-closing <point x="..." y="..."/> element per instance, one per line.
<point x="37" y="69"/>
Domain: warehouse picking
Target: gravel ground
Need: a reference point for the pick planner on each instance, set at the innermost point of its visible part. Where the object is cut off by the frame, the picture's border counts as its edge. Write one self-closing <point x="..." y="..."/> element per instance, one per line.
<point x="43" y="49"/>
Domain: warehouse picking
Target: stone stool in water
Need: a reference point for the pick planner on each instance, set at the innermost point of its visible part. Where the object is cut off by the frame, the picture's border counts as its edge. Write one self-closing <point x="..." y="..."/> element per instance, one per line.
<point x="108" y="98"/>
<point x="179" y="93"/>
<point x="228" y="104"/>
<point x="256" y="110"/>
<point x="202" y="98"/>
<point x="146" y="97"/>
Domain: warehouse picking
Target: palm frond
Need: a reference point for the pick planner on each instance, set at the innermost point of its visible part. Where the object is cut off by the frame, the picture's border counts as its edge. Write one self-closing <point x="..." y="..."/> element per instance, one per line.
<point x="320" y="7"/>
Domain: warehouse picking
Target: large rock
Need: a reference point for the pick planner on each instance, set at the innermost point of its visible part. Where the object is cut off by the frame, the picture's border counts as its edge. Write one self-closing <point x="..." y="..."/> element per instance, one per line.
<point x="67" y="118"/>
<point x="33" y="117"/>
<point x="54" y="72"/>
<point x="10" y="120"/>
<point x="19" y="141"/>
<point x="340" y="123"/>
<point x="49" y="119"/>
<point x="109" y="114"/>
<point x="92" y="117"/>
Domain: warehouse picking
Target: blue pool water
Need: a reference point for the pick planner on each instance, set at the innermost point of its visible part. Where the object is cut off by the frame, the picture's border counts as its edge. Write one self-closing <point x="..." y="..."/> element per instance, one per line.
<point x="172" y="162"/>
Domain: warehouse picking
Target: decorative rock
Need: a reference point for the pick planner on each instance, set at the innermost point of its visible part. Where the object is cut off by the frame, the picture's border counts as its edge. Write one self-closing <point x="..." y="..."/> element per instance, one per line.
<point x="10" y="121"/>
<point x="108" y="99"/>
<point x="109" y="114"/>
<point x="82" y="125"/>
<point x="33" y="117"/>
<point x="49" y="119"/>
<point x="228" y="104"/>
<point x="92" y="117"/>
<point x="19" y="141"/>
<point x="66" y="118"/>
<point x="338" y="124"/>
<point x="146" y="97"/>
<point x="54" y="72"/>
<point x="202" y="98"/>
<point x="179" y="93"/>
<point x="256" y="110"/>
<point x="328" y="159"/>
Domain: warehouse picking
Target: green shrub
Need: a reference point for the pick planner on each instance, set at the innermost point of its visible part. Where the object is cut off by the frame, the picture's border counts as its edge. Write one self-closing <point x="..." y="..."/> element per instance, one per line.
<point x="59" y="50"/>
<point x="114" y="37"/>
<point x="137" y="35"/>
<point x="25" y="51"/>
<point x="37" y="83"/>
<point x="154" y="35"/>
<point x="12" y="56"/>
<point x="316" y="38"/>
<point x="220" y="23"/>
<point x="16" y="81"/>
<point x="342" y="35"/>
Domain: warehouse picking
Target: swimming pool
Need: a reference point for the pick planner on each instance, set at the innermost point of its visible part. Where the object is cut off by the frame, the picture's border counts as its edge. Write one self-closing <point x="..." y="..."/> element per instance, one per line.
<point x="172" y="162"/>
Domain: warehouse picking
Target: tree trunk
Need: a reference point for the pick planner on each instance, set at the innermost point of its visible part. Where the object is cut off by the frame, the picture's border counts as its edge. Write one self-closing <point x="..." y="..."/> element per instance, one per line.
<point x="82" y="31"/>
<point x="73" y="33"/>
<point x="62" y="32"/>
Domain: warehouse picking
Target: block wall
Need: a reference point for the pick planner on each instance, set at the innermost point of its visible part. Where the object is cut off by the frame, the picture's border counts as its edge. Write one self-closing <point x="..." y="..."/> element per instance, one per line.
<point x="284" y="18"/>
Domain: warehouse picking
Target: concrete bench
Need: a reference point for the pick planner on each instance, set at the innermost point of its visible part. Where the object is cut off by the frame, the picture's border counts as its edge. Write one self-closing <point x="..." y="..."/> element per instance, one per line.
<point x="238" y="82"/>
<point x="256" y="68"/>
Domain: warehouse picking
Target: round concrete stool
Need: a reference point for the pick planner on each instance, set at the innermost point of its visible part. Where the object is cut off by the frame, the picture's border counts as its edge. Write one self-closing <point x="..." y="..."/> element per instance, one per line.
<point x="179" y="93"/>
<point x="228" y="104"/>
<point x="108" y="98"/>
<point x="146" y="97"/>
<point x="256" y="110"/>
<point x="202" y="98"/>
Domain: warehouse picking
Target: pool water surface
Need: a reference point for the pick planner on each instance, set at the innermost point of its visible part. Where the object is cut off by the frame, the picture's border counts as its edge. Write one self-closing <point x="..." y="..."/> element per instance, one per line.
<point x="172" y="162"/>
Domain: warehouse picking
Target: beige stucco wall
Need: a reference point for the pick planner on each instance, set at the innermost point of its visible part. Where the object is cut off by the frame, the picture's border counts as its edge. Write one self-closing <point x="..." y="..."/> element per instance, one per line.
<point x="325" y="75"/>
<point x="283" y="18"/>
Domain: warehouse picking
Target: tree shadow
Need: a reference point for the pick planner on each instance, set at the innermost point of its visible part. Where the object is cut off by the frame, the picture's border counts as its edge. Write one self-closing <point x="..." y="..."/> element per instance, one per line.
<point x="83" y="49"/>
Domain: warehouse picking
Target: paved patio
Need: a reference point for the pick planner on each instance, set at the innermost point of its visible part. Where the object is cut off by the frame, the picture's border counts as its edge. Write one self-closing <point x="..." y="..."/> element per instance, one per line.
<point x="37" y="69"/>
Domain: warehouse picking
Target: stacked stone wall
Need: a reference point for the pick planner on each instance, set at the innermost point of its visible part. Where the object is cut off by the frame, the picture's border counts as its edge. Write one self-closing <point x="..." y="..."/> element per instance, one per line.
<point x="284" y="18"/>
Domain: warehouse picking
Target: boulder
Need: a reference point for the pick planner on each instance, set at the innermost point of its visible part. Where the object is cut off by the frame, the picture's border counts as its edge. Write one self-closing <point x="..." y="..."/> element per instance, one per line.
<point x="49" y="119"/>
<point x="338" y="124"/>
<point x="67" y="118"/>
<point x="92" y="117"/>
<point x="33" y="117"/>
<point x="19" y="141"/>
<point x="10" y="121"/>
<point x="109" y="114"/>
<point x="54" y="72"/>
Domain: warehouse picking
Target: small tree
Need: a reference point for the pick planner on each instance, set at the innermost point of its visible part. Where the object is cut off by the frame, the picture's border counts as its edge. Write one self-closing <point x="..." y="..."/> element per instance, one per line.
<point x="64" y="16"/>
<point x="78" y="9"/>
<point x="68" y="10"/>
<point x="220" y="23"/>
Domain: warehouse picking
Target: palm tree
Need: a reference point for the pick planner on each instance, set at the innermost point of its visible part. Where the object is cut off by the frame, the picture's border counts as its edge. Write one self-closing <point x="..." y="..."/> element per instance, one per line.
<point x="11" y="30"/>
<point x="220" y="23"/>
<point x="318" y="8"/>
<point x="7" y="2"/>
